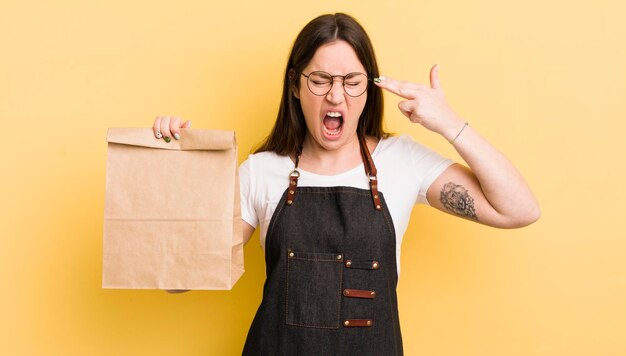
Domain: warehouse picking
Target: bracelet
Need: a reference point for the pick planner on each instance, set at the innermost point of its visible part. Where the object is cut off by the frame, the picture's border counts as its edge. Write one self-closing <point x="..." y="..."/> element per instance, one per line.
<point x="457" y="135"/>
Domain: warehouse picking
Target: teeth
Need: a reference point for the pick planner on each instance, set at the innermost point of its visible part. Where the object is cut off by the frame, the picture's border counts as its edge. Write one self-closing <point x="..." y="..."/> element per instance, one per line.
<point x="332" y="132"/>
<point x="334" y="114"/>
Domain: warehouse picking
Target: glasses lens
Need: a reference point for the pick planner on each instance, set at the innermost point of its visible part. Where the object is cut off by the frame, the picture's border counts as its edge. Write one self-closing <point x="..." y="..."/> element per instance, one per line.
<point x="319" y="83"/>
<point x="355" y="84"/>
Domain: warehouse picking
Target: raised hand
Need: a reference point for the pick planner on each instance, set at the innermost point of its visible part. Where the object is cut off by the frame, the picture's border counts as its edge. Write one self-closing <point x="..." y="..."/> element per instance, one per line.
<point x="425" y="105"/>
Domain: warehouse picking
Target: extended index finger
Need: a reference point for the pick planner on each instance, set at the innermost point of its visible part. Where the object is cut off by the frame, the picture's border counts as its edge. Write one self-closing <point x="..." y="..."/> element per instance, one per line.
<point x="406" y="90"/>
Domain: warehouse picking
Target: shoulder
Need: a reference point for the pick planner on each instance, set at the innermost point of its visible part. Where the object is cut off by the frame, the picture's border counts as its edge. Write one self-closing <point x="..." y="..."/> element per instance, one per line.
<point x="262" y="160"/>
<point x="400" y="145"/>
<point x="264" y="167"/>
<point x="405" y="154"/>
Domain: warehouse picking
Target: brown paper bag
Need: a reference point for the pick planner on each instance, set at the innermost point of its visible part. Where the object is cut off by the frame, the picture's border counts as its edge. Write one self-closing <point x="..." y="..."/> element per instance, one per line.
<point x="172" y="217"/>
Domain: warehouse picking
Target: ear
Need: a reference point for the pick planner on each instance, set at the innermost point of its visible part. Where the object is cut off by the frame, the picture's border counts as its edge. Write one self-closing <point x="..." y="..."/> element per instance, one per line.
<point x="292" y="83"/>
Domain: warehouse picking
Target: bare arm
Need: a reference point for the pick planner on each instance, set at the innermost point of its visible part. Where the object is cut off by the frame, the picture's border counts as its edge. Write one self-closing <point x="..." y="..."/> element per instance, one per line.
<point x="248" y="230"/>
<point x="491" y="191"/>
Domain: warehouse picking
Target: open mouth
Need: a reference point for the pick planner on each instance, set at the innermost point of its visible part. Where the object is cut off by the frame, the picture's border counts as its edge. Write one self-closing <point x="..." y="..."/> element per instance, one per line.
<point x="333" y="121"/>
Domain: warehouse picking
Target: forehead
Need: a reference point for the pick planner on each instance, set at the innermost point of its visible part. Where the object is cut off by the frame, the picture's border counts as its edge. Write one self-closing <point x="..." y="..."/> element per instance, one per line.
<point x="336" y="58"/>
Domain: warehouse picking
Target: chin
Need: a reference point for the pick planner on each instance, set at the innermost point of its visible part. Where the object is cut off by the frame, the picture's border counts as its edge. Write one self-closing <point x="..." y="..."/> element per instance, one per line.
<point x="335" y="143"/>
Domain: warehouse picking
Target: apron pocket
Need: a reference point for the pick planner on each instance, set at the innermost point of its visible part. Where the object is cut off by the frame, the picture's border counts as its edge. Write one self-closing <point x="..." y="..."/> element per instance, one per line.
<point x="313" y="289"/>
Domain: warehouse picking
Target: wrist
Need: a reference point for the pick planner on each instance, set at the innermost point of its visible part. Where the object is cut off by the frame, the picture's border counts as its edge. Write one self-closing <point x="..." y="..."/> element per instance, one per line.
<point x="453" y="127"/>
<point x="465" y="125"/>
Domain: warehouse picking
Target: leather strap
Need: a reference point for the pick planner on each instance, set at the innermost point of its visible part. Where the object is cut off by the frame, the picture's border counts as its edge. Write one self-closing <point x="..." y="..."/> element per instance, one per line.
<point x="293" y="185"/>
<point x="358" y="293"/>
<point x="370" y="171"/>
<point x="293" y="179"/>
<point x="351" y="323"/>
<point x="368" y="164"/>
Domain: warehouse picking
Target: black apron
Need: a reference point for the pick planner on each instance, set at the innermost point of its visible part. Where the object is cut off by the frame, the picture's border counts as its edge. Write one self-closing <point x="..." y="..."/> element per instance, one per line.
<point x="330" y="255"/>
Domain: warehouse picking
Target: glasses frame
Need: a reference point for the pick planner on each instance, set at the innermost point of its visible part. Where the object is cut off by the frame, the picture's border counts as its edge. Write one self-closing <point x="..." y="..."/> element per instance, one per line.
<point x="343" y="82"/>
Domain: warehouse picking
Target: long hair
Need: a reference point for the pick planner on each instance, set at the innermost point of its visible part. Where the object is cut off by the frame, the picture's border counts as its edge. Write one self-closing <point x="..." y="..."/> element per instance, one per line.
<point x="290" y="128"/>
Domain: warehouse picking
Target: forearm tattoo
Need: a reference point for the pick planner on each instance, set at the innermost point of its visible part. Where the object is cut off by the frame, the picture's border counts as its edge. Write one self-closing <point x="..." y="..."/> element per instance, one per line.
<point x="456" y="199"/>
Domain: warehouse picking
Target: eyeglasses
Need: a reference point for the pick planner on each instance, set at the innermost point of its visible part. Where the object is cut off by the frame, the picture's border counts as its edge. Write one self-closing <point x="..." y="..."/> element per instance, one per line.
<point x="320" y="83"/>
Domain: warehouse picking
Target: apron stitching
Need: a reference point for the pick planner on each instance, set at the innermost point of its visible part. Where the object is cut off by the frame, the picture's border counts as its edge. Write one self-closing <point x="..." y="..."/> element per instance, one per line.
<point x="287" y="298"/>
<point x="314" y="259"/>
<point x="274" y="218"/>
<point x="340" y="289"/>
<point x="392" y="317"/>
<point x="336" y="191"/>
<point x="287" y="294"/>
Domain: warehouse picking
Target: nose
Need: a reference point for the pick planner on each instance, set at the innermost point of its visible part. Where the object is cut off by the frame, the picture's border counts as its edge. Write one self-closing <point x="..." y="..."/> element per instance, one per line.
<point x="336" y="95"/>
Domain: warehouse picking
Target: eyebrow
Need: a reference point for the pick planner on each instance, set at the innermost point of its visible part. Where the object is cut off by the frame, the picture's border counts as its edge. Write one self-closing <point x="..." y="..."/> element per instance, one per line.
<point x="354" y="71"/>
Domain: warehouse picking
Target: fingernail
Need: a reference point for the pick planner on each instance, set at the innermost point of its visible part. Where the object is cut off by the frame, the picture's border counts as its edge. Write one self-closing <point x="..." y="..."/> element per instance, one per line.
<point x="177" y="136"/>
<point x="379" y="79"/>
<point x="159" y="135"/>
<point x="167" y="139"/>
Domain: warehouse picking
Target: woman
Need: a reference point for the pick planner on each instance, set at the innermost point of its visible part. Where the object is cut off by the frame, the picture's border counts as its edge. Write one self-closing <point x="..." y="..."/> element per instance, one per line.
<point x="333" y="193"/>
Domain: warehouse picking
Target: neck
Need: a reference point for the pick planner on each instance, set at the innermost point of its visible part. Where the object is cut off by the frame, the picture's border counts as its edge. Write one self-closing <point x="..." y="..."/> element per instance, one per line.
<point x="317" y="159"/>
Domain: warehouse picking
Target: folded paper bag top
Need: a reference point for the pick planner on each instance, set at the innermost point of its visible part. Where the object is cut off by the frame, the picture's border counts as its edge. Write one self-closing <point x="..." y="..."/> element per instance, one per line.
<point x="172" y="217"/>
<point x="190" y="139"/>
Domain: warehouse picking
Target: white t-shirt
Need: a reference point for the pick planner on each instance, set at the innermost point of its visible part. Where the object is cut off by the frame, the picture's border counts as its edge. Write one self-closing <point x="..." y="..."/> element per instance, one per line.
<point x="405" y="171"/>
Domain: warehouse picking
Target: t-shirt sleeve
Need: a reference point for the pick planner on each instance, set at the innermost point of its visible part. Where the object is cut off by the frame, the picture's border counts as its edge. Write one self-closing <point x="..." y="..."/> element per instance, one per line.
<point x="246" y="184"/>
<point x="429" y="165"/>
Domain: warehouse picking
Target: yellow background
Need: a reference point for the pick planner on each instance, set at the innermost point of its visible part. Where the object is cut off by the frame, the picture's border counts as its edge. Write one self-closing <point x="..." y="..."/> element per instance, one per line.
<point x="544" y="81"/>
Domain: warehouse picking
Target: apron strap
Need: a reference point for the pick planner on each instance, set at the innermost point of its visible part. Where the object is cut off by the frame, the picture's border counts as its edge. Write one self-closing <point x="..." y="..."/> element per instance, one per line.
<point x="370" y="171"/>
<point x="368" y="164"/>
<point x="293" y="179"/>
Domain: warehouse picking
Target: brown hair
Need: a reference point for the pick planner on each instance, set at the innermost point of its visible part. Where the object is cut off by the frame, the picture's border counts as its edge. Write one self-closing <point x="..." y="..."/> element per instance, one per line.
<point x="290" y="128"/>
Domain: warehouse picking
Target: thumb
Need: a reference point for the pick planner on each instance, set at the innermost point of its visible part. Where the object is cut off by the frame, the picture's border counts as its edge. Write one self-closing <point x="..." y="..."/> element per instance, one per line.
<point x="434" y="77"/>
<point x="406" y="107"/>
